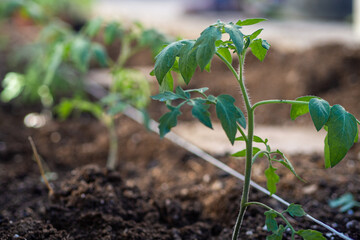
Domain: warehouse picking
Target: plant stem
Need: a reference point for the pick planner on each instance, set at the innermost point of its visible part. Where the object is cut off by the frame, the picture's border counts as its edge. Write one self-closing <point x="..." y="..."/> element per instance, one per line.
<point x="38" y="161"/>
<point x="279" y="101"/>
<point x="278" y="213"/>
<point x="249" y="146"/>
<point x="113" y="143"/>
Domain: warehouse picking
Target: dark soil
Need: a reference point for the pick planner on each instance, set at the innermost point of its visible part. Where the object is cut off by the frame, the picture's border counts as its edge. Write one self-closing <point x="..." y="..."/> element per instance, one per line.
<point x="161" y="191"/>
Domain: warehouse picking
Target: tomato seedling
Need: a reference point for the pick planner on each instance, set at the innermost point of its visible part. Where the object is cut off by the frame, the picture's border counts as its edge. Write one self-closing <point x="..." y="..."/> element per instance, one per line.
<point x="129" y="86"/>
<point x="184" y="56"/>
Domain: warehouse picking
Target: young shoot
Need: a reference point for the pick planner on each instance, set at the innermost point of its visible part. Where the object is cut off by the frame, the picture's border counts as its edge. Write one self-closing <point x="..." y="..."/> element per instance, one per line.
<point x="129" y="87"/>
<point x="184" y="56"/>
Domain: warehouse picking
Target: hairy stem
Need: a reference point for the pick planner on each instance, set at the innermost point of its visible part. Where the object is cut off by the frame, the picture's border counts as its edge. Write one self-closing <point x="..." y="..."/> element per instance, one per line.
<point x="279" y="101"/>
<point x="249" y="146"/>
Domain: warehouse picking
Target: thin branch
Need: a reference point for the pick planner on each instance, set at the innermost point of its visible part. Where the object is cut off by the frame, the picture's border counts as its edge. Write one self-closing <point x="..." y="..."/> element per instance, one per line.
<point x="38" y="161"/>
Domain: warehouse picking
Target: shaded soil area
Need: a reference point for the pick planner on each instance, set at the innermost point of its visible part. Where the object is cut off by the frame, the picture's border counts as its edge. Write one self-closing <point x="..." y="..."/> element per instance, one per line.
<point x="159" y="191"/>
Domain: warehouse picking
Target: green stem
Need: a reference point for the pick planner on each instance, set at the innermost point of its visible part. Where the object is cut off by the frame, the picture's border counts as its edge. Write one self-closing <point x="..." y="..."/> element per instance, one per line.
<point x="258" y="154"/>
<point x="242" y="133"/>
<point x="279" y="101"/>
<point x="249" y="146"/>
<point x="278" y="213"/>
<point x="113" y="143"/>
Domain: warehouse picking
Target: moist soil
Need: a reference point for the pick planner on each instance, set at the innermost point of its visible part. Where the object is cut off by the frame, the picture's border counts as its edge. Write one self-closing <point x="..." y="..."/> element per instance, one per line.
<point x="160" y="191"/>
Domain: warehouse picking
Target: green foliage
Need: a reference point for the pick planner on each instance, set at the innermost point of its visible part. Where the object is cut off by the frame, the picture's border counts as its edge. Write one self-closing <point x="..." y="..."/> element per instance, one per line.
<point x="342" y="130"/>
<point x="184" y="56"/>
<point x="42" y="11"/>
<point x="228" y="115"/>
<point x="168" y="120"/>
<point x="13" y="85"/>
<point x="300" y="109"/>
<point x="311" y="235"/>
<point x="132" y="87"/>
<point x="272" y="179"/>
<point x="345" y="202"/>
<point x="295" y="210"/>
<point x="270" y="221"/>
<point x="319" y="112"/>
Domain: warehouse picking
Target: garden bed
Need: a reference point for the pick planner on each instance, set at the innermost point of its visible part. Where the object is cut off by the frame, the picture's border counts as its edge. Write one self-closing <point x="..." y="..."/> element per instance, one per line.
<point x="161" y="191"/>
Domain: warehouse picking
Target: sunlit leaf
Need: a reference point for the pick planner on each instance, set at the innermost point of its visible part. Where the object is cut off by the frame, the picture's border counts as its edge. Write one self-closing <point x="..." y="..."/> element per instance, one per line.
<point x="205" y="46"/>
<point x="272" y="179"/>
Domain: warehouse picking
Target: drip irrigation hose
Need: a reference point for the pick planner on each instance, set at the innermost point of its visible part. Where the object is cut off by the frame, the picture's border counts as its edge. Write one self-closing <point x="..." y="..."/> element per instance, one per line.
<point x="98" y="91"/>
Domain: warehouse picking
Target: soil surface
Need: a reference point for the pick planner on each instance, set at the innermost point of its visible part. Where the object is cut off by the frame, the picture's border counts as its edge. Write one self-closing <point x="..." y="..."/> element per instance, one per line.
<point x="160" y="191"/>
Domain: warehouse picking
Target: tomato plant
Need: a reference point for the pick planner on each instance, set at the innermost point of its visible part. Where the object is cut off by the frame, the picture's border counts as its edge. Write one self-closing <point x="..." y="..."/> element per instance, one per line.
<point x="128" y="87"/>
<point x="184" y="56"/>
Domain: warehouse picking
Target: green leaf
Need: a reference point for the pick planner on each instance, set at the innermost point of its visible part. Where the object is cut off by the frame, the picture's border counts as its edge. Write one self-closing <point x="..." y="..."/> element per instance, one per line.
<point x="187" y="61"/>
<point x="13" y="85"/>
<point x="225" y="52"/>
<point x="295" y="210"/>
<point x="205" y="46"/>
<point x="236" y="36"/>
<point x="67" y="106"/>
<point x="111" y="32"/>
<point x="166" y="59"/>
<point x="242" y="153"/>
<point x="168" y="83"/>
<point x="100" y="54"/>
<point x="241" y="118"/>
<point x="286" y="162"/>
<point x="80" y="53"/>
<point x="250" y="21"/>
<point x="259" y="48"/>
<point x="300" y="109"/>
<point x="166" y="96"/>
<point x="180" y="92"/>
<point x="270" y="221"/>
<point x="327" y="151"/>
<point x="228" y="115"/>
<point x="311" y="235"/>
<point x="272" y="179"/>
<point x="93" y="27"/>
<point x="168" y="120"/>
<point x="342" y="130"/>
<point x="278" y="235"/>
<point x="55" y="61"/>
<point x="117" y="108"/>
<point x="200" y="111"/>
<point x="256" y="34"/>
<point x="319" y="112"/>
<point x="241" y="138"/>
<point x="258" y="139"/>
<point x="344" y="199"/>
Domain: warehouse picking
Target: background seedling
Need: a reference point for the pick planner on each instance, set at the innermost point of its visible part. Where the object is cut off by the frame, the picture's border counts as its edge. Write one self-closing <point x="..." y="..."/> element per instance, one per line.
<point x="129" y="86"/>
<point x="184" y="56"/>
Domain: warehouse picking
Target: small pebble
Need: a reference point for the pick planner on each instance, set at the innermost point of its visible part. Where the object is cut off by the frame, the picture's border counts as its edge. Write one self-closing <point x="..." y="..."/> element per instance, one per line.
<point x="350" y="212"/>
<point x="82" y="195"/>
<point x="334" y="225"/>
<point x="217" y="185"/>
<point x="206" y="178"/>
<point x="349" y="224"/>
<point x="249" y="233"/>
